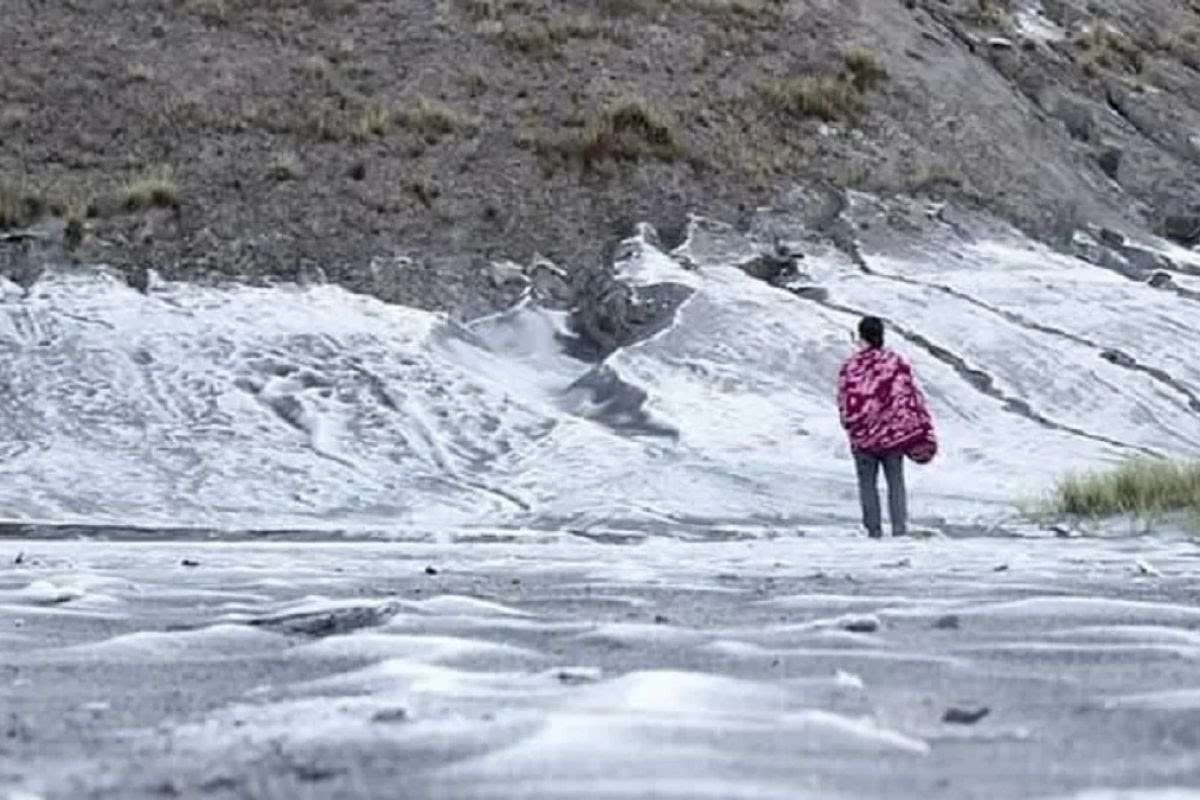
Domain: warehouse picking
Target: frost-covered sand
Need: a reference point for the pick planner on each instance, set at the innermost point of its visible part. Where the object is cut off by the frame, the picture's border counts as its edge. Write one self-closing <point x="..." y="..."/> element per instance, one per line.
<point x="553" y="666"/>
<point x="356" y="550"/>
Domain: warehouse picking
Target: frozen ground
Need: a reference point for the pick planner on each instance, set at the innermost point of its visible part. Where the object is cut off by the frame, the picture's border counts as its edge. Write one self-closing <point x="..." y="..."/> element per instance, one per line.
<point x="554" y="666"/>
<point x="356" y="550"/>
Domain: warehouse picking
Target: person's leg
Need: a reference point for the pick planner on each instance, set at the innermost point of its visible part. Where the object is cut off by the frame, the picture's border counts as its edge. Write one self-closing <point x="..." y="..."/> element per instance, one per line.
<point x="893" y="470"/>
<point x="868" y="492"/>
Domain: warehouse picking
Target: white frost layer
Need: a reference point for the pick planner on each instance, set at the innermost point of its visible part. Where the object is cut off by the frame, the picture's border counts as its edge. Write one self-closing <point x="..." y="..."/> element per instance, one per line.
<point x="317" y="408"/>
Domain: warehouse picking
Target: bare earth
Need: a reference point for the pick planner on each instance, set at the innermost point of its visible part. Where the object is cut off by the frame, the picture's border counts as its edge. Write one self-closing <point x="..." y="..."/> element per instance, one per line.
<point x="516" y="665"/>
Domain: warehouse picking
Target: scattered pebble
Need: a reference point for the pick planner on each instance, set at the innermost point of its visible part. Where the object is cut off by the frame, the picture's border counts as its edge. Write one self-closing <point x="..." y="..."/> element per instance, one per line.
<point x="947" y="623"/>
<point x="864" y="624"/>
<point x="1146" y="568"/>
<point x="20" y="559"/>
<point x="390" y="715"/>
<point x="965" y="716"/>
<point x="431" y="571"/>
<point x="1001" y="568"/>
<point x="190" y="562"/>
<point x="575" y="677"/>
<point x="660" y="619"/>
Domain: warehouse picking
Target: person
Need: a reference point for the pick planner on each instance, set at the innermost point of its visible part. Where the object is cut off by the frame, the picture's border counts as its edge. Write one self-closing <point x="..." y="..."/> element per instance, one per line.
<point x="886" y="419"/>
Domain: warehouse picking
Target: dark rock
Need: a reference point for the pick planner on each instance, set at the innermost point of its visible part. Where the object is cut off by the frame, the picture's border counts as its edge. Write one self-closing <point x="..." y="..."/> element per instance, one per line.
<point x="431" y="571"/>
<point x="660" y="619"/>
<point x="1078" y="118"/>
<point x="1112" y="238"/>
<point x="575" y="677"/>
<point x="775" y="267"/>
<point x="189" y="562"/>
<point x="1110" y="161"/>
<point x="610" y="314"/>
<point x="861" y="625"/>
<point x="1161" y="280"/>
<point x="1183" y="229"/>
<point x="603" y="396"/>
<point x="329" y="623"/>
<point x="1118" y="358"/>
<point x="947" y="623"/>
<point x="818" y="293"/>
<point x="965" y="716"/>
<point x="390" y="715"/>
<point x="358" y="171"/>
<point x="1145" y="260"/>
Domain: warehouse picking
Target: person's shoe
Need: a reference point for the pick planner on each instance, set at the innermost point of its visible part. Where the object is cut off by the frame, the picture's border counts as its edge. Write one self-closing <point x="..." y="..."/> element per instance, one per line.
<point x="875" y="534"/>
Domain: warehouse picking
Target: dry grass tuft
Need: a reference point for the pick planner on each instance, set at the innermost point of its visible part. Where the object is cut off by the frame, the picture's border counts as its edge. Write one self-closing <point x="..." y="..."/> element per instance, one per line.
<point x="375" y="120"/>
<point x="155" y="189"/>
<point x="991" y="14"/>
<point x="285" y="166"/>
<point x="830" y="98"/>
<point x="628" y="130"/>
<point x="749" y="9"/>
<point x="434" y="119"/>
<point x="866" y="72"/>
<point x="541" y="37"/>
<point x="1104" y="47"/>
<point x="139" y="73"/>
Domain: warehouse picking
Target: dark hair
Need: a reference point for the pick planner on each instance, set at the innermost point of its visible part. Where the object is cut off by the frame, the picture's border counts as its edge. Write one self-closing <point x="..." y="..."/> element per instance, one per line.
<point x="870" y="330"/>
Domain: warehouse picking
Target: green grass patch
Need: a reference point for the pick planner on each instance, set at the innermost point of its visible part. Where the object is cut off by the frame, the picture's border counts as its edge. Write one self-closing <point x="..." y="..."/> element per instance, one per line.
<point x="1140" y="486"/>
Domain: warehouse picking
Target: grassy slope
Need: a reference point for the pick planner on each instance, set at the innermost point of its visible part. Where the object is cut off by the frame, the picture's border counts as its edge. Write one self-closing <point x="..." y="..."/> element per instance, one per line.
<point x="287" y="137"/>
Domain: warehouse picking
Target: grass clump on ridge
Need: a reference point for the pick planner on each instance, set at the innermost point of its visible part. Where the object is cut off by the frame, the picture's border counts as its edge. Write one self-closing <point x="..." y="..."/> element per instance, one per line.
<point x="1139" y="486"/>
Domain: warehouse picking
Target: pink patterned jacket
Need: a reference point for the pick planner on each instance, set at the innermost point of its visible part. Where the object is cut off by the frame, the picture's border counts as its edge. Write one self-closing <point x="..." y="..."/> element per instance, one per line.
<point x="882" y="408"/>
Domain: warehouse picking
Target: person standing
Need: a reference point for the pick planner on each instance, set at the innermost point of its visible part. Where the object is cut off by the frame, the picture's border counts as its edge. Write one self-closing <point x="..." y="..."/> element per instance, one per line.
<point x="886" y="419"/>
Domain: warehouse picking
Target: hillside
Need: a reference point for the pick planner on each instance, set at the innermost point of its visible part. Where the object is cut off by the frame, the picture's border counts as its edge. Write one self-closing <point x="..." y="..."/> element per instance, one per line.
<point x="400" y="148"/>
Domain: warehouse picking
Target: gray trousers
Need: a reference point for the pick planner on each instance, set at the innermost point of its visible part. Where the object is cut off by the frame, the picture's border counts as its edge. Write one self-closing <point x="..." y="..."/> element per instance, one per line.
<point x="868" y="492"/>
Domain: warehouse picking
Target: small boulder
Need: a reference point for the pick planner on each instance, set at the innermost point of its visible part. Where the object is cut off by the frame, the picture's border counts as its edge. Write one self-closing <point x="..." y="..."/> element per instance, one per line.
<point x="965" y="716"/>
<point x="1109" y="160"/>
<point x="1183" y="229"/>
<point x="1078" y="118"/>
<point x="949" y="622"/>
<point x="504" y="273"/>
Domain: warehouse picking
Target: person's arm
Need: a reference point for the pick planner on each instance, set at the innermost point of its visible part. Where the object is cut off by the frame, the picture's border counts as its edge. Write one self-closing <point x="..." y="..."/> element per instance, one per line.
<point x="918" y="403"/>
<point x="843" y="397"/>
